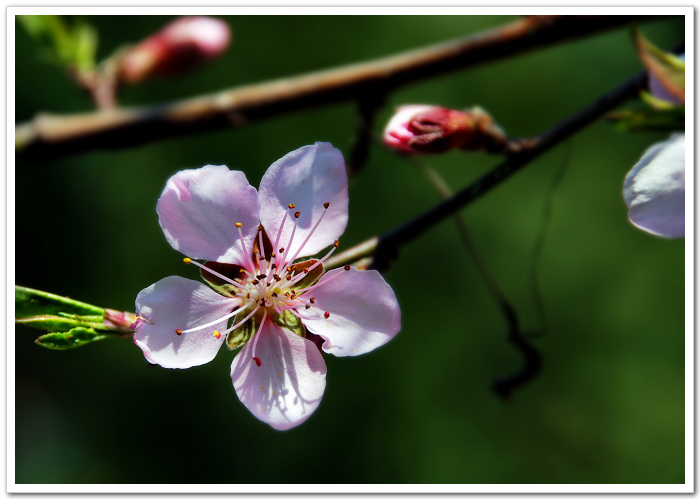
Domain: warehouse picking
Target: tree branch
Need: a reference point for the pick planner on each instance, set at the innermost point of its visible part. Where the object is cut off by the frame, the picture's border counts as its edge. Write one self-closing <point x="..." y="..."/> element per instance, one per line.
<point x="48" y="136"/>
<point x="385" y="247"/>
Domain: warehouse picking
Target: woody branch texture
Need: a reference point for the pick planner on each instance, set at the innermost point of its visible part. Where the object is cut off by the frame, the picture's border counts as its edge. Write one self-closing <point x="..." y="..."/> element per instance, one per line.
<point x="50" y="135"/>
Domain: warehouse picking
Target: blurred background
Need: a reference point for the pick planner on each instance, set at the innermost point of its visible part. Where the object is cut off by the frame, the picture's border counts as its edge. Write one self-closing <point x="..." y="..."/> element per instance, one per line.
<point x="608" y="405"/>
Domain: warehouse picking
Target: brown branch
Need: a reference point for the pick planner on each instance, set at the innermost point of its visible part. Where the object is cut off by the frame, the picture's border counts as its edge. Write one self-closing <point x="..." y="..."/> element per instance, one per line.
<point x="385" y="247"/>
<point x="48" y="136"/>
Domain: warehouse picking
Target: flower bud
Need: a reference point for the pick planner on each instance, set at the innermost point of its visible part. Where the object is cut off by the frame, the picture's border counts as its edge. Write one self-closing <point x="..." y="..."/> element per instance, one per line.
<point x="177" y="48"/>
<point x="421" y="129"/>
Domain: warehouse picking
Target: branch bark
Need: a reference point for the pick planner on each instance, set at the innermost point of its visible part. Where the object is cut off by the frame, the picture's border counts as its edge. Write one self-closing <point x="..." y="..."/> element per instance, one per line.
<point x="49" y="136"/>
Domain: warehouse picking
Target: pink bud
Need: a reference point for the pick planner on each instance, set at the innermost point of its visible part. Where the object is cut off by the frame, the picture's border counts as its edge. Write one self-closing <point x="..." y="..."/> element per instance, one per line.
<point x="420" y="129"/>
<point x="119" y="321"/>
<point x="177" y="48"/>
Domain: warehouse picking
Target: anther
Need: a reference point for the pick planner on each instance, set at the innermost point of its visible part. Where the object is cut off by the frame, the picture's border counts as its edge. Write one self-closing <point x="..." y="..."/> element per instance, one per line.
<point x="248" y="296"/>
<point x="239" y="224"/>
<point x="308" y="306"/>
<point x="257" y="361"/>
<point x="292" y="206"/>
<point x="178" y="331"/>
<point x="347" y="267"/>
<point x="289" y="277"/>
<point x="187" y="261"/>
<point x="336" y="243"/>
<point x="261" y="276"/>
<point x="326" y="315"/>
<point x="255" y="281"/>
<point x="277" y="278"/>
<point x="326" y="205"/>
<point x="296" y="214"/>
<point x="306" y="270"/>
<point x="281" y="250"/>
<point x="274" y="295"/>
<point x="312" y="300"/>
<point x="217" y="334"/>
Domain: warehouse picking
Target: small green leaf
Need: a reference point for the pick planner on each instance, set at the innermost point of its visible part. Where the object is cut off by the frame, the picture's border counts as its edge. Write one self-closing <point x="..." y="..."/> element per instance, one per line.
<point x="31" y="302"/>
<point x="663" y="120"/>
<point x="73" y="338"/>
<point x="55" y="323"/>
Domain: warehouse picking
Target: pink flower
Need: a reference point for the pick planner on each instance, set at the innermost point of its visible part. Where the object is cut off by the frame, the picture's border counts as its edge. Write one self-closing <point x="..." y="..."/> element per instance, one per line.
<point x="420" y="129"/>
<point x="260" y="295"/>
<point x="654" y="189"/>
<point x="179" y="47"/>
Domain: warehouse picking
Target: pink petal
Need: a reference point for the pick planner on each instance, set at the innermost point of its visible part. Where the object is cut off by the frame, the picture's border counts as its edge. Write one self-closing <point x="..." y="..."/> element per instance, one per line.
<point x="307" y="178"/>
<point x="288" y="385"/>
<point x="198" y="211"/>
<point x="363" y="312"/>
<point x="177" y="303"/>
<point x="655" y="189"/>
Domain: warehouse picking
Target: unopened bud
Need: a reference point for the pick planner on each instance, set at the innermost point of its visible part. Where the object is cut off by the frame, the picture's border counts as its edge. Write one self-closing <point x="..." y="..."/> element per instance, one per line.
<point x="421" y="129"/>
<point x="120" y="321"/>
<point x="177" y="48"/>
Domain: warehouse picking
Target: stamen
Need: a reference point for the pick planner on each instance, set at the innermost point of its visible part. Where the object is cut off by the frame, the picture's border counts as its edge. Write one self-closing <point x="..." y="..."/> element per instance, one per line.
<point x="292" y="206"/>
<point x="347" y="267"/>
<point x="312" y="300"/>
<point x="257" y="336"/>
<point x="215" y="321"/>
<point x="326" y="315"/>
<point x="262" y="250"/>
<point x="217" y="335"/>
<point x="325" y="205"/>
<point x="245" y="250"/>
<point x="187" y="261"/>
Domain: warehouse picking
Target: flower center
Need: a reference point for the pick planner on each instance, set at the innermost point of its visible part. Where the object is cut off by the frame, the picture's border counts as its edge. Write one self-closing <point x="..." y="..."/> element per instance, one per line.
<point x="270" y="286"/>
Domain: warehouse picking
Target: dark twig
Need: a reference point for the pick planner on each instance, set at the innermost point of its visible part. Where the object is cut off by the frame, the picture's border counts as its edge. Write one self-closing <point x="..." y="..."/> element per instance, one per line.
<point x="48" y="136"/>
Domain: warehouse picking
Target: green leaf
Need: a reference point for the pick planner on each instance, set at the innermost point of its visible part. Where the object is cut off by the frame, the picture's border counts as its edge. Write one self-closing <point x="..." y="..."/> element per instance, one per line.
<point x="75" y="46"/>
<point x="30" y="302"/>
<point x="73" y="338"/>
<point x="663" y="120"/>
<point x="57" y="323"/>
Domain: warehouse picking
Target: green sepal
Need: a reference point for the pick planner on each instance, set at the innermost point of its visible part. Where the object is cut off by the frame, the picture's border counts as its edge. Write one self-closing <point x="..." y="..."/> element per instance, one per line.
<point x="311" y="277"/>
<point x="240" y="336"/>
<point x="669" y="119"/>
<point x="72" y="338"/>
<point x="289" y="321"/>
<point x="667" y="68"/>
<point x="31" y="302"/>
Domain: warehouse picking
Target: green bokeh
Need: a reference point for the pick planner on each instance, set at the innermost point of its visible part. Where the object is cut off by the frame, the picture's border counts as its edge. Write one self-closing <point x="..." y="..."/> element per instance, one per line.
<point x="608" y="406"/>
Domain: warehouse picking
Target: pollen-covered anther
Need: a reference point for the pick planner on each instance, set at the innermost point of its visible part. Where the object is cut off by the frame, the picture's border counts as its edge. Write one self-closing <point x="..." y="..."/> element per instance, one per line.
<point x="336" y="243"/>
<point x="281" y="250"/>
<point x="289" y="277"/>
<point x="274" y="295"/>
<point x="261" y="276"/>
<point x="347" y="267"/>
<point x="312" y="300"/>
<point x="307" y="306"/>
<point x="217" y="335"/>
<point x="296" y="214"/>
<point x="187" y="261"/>
<point x="326" y="205"/>
<point x="239" y="224"/>
<point x="306" y="270"/>
<point x="291" y="206"/>
<point x="326" y="315"/>
<point x="178" y="331"/>
<point x="276" y="278"/>
<point x="255" y="281"/>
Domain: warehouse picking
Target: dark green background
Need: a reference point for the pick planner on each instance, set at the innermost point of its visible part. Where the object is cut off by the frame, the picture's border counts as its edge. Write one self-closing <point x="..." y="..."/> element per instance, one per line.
<point x="608" y="406"/>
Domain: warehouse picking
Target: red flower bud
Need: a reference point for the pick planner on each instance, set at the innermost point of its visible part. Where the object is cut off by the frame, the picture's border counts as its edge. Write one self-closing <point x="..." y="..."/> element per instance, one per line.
<point x="420" y="129"/>
<point x="179" y="47"/>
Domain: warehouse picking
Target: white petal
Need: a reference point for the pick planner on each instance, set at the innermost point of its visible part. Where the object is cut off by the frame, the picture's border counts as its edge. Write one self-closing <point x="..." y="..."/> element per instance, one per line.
<point x="287" y="386"/>
<point x="654" y="189"/>
<point x="178" y="303"/>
